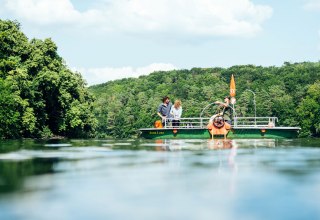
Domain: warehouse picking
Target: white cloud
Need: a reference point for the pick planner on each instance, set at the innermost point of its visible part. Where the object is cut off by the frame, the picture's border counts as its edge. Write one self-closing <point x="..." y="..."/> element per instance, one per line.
<point x="192" y="17"/>
<point x="45" y="12"/>
<point x="313" y="5"/>
<point x="101" y="75"/>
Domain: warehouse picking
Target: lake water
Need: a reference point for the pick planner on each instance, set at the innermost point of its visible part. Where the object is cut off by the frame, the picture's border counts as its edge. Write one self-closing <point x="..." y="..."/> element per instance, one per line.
<point x="160" y="179"/>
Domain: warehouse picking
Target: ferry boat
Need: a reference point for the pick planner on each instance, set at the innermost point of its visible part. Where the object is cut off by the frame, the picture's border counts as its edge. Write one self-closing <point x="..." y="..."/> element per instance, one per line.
<point x="216" y="127"/>
<point x="242" y="127"/>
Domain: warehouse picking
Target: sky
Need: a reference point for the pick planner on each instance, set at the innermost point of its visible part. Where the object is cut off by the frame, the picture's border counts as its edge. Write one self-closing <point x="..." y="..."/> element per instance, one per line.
<point x="112" y="39"/>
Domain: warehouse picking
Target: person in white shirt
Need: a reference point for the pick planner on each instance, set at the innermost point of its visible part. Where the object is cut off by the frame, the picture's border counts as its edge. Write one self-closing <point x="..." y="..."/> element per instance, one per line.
<point x="175" y="113"/>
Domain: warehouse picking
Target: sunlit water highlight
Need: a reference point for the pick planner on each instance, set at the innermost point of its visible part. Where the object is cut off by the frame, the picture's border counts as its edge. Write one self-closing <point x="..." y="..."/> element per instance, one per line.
<point x="160" y="179"/>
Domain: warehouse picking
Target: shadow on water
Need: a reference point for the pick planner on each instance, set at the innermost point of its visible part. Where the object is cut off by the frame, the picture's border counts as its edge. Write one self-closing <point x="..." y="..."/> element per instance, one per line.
<point x="17" y="163"/>
<point x="13" y="173"/>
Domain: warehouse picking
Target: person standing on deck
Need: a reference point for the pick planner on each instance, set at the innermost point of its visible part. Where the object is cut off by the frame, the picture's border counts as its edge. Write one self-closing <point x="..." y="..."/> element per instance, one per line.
<point x="164" y="110"/>
<point x="175" y="112"/>
<point x="227" y="109"/>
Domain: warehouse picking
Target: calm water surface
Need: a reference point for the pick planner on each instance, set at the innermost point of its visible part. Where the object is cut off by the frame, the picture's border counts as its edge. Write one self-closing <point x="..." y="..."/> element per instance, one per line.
<point x="160" y="179"/>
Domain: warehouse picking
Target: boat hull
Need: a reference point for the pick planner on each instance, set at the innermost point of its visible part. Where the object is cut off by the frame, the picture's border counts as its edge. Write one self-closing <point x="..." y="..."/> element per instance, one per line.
<point x="203" y="133"/>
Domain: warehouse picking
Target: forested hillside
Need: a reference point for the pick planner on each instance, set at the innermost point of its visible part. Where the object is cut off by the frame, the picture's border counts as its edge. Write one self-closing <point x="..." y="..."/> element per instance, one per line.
<point x="290" y="92"/>
<point x="39" y="95"/>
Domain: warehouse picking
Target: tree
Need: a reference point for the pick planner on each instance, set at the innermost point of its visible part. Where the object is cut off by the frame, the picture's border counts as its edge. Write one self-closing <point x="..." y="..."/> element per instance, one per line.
<point x="40" y="94"/>
<point x="9" y="117"/>
<point x="309" y="111"/>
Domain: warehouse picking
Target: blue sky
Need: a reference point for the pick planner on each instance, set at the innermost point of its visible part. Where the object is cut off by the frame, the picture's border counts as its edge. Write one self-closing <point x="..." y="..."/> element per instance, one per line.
<point x="112" y="39"/>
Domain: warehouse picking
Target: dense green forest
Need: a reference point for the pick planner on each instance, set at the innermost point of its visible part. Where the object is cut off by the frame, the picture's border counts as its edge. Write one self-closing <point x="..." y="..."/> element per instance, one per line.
<point x="39" y="95"/>
<point x="290" y="92"/>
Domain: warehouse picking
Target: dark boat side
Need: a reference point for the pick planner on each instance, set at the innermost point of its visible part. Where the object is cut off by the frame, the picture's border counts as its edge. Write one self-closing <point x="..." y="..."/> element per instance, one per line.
<point x="195" y="128"/>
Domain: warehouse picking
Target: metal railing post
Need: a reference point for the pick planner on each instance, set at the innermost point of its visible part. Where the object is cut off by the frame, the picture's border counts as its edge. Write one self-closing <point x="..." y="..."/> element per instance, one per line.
<point x="255" y="109"/>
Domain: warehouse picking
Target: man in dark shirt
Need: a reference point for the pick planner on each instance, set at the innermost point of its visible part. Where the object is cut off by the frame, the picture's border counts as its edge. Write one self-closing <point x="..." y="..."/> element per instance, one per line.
<point x="164" y="109"/>
<point x="227" y="109"/>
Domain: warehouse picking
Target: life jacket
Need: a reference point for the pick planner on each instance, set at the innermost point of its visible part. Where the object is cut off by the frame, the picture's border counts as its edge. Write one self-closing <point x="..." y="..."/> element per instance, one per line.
<point x="217" y="129"/>
<point x="158" y="124"/>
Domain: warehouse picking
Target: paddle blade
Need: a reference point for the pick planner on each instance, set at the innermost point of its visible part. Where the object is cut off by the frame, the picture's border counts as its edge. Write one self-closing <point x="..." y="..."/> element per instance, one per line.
<point x="232" y="87"/>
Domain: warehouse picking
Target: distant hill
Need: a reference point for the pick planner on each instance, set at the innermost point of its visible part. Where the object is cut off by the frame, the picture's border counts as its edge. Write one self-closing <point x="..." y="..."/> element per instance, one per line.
<point x="289" y="92"/>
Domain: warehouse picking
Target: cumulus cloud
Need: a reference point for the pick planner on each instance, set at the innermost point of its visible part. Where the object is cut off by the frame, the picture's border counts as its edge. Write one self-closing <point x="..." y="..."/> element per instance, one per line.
<point x="195" y="17"/>
<point x="100" y="75"/>
<point x="46" y="12"/>
<point x="312" y="5"/>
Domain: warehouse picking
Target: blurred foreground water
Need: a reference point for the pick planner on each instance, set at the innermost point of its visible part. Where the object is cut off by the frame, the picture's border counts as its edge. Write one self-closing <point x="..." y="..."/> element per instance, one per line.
<point x="160" y="179"/>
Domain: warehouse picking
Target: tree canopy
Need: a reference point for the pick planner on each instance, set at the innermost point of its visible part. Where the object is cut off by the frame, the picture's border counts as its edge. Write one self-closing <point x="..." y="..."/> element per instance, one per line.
<point x="288" y="92"/>
<point x="39" y="95"/>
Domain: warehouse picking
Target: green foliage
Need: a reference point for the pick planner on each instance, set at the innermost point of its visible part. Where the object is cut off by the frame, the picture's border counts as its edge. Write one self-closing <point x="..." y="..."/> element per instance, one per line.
<point x="9" y="116"/>
<point x="124" y="106"/>
<point x="39" y="95"/>
<point x="309" y="111"/>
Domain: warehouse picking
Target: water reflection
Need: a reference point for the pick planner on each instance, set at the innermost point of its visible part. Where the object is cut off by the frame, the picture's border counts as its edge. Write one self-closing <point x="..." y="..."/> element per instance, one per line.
<point x="187" y="179"/>
<point x="211" y="144"/>
<point x="182" y="144"/>
<point x="13" y="173"/>
<point x="220" y="144"/>
<point x="28" y="158"/>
